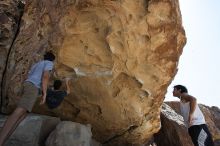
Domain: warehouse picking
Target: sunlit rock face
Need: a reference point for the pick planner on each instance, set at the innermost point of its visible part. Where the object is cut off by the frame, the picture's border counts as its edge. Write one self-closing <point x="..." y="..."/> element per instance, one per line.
<point x="121" y="56"/>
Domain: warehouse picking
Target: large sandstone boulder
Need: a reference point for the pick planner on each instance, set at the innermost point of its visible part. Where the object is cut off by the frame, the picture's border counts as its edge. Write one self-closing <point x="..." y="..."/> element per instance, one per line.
<point x="32" y="131"/>
<point x="121" y="56"/>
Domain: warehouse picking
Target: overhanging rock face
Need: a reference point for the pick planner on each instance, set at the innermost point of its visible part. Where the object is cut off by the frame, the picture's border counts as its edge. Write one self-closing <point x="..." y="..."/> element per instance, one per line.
<point x="121" y="56"/>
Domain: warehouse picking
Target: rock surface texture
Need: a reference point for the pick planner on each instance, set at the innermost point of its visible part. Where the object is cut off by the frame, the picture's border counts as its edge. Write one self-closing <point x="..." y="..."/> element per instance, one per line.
<point x="173" y="131"/>
<point x="69" y="133"/>
<point x="120" y="54"/>
<point x="32" y="131"/>
<point x="10" y="14"/>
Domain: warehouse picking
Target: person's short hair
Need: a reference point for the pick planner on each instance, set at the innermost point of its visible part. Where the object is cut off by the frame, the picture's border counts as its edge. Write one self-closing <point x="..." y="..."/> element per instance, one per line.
<point x="182" y="88"/>
<point x="57" y="84"/>
<point x="49" y="56"/>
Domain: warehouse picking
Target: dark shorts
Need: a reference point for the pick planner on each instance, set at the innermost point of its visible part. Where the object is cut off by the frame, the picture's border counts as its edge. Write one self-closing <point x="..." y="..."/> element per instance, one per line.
<point x="200" y="135"/>
<point x="28" y="96"/>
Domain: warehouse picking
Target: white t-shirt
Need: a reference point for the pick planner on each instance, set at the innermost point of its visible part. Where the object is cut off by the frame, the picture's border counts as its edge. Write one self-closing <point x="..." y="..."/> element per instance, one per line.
<point x="198" y="117"/>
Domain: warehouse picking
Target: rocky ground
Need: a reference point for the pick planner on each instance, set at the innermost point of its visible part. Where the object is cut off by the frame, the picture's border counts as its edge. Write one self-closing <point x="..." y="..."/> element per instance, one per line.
<point x="40" y="130"/>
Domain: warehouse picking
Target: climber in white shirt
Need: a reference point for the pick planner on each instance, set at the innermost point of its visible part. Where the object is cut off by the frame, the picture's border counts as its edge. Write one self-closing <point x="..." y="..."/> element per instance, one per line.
<point x="193" y="117"/>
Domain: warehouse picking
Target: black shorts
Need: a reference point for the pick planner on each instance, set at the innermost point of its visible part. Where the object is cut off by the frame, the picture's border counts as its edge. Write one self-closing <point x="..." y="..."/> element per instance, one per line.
<point x="200" y="135"/>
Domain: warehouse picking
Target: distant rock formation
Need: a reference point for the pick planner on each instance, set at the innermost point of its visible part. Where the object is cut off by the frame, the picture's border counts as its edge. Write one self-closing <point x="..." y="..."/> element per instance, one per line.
<point x="121" y="56"/>
<point x="174" y="133"/>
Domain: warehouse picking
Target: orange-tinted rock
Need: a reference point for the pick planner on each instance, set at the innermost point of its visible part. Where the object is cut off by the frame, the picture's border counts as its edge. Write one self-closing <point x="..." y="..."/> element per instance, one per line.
<point x="121" y="56"/>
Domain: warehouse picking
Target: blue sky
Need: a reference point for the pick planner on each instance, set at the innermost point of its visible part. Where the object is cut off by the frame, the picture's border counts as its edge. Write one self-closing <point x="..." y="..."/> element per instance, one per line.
<point x="199" y="65"/>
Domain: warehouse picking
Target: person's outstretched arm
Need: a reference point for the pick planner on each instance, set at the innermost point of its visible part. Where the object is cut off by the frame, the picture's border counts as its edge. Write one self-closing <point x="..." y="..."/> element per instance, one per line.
<point x="45" y="80"/>
<point x="67" y="86"/>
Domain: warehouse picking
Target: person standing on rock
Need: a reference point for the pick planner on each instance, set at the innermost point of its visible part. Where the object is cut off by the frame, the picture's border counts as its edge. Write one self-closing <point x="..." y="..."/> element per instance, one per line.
<point x="38" y="78"/>
<point x="193" y="117"/>
<point x="55" y="96"/>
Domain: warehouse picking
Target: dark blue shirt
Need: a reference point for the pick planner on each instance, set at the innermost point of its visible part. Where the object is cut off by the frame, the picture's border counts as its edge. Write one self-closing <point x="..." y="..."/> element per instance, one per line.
<point x="54" y="98"/>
